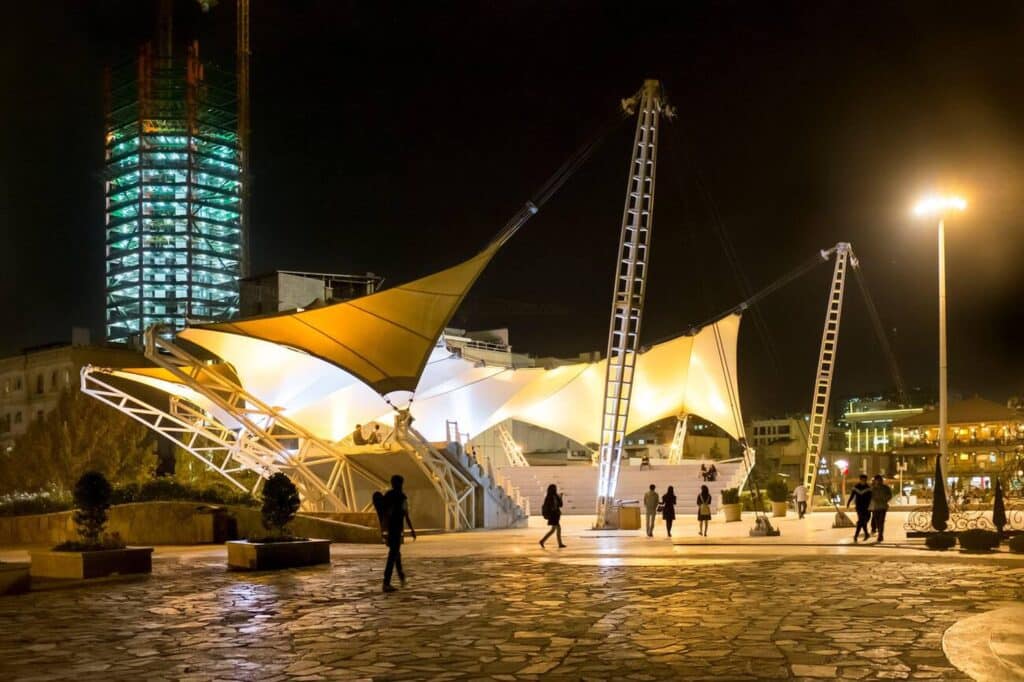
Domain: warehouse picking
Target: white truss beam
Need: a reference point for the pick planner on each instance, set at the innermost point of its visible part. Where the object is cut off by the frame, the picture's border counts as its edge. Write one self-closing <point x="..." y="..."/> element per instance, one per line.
<point x="511" y="447"/>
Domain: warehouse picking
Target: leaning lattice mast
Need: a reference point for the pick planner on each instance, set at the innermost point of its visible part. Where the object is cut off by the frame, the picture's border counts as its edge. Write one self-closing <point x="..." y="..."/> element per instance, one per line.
<point x="629" y="288"/>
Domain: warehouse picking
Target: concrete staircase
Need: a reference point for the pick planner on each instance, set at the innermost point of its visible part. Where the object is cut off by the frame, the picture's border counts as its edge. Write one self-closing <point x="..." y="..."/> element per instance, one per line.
<point x="579" y="484"/>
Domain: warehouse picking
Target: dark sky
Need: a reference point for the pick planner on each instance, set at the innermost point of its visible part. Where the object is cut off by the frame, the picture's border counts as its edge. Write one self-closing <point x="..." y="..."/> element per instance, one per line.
<point x="399" y="137"/>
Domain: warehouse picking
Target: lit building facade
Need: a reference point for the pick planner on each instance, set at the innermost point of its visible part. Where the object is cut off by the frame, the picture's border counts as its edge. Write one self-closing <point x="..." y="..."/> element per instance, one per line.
<point x="986" y="440"/>
<point x="174" y="195"/>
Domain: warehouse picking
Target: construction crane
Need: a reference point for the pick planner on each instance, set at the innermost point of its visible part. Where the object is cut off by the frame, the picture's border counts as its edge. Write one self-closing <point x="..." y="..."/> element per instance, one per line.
<point x="629" y="289"/>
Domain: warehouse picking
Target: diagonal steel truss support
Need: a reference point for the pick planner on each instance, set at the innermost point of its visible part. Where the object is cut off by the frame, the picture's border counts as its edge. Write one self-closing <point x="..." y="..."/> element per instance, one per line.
<point x="186" y="426"/>
<point x="325" y="475"/>
<point x="457" y="492"/>
<point x="511" y="448"/>
<point x="675" y="452"/>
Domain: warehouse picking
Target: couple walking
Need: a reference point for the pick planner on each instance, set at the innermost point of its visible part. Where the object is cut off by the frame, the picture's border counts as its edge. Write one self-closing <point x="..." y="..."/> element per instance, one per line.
<point x="666" y="505"/>
<point x="872" y="503"/>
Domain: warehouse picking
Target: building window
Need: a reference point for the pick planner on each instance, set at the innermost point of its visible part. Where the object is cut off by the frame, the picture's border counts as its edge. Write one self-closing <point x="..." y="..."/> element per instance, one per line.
<point x="53" y="380"/>
<point x="17" y="417"/>
<point x="5" y="423"/>
<point x="39" y="384"/>
<point x="17" y="383"/>
<point x="39" y="415"/>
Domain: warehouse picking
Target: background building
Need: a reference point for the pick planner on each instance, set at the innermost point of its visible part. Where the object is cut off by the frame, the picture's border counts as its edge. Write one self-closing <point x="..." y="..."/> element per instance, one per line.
<point x="174" y="189"/>
<point x="274" y="292"/>
<point x="32" y="381"/>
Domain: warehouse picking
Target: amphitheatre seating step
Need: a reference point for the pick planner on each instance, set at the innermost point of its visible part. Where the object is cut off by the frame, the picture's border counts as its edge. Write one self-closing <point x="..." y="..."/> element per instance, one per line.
<point x="579" y="483"/>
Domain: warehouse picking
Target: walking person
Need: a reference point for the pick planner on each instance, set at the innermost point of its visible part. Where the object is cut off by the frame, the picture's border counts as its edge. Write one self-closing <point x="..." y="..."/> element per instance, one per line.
<point x="800" y="495"/>
<point x="651" y="499"/>
<point x="860" y="495"/>
<point x="668" y="509"/>
<point x="394" y="513"/>
<point x="880" y="496"/>
<point x="703" y="510"/>
<point x="552" y="511"/>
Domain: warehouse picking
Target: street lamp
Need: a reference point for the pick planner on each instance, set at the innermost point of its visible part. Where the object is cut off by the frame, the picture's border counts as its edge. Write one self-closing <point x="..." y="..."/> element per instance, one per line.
<point x="938" y="206"/>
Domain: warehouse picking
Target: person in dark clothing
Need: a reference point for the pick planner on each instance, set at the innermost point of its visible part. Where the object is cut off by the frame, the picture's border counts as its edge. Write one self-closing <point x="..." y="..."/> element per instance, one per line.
<point x="880" y="496"/>
<point x="395" y="513"/>
<point x="860" y="495"/>
<point x="668" y="508"/>
<point x="703" y="510"/>
<point x="552" y="511"/>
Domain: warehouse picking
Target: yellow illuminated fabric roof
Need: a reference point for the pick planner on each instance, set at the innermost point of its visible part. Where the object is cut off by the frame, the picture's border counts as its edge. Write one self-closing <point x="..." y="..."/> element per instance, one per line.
<point x="383" y="339"/>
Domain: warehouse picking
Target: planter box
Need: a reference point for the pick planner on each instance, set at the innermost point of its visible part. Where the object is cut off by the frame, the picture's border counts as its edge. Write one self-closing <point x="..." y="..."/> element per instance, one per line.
<point x="261" y="556"/>
<point x="779" y="508"/>
<point x="732" y="512"/>
<point x="13" y="578"/>
<point x="98" y="564"/>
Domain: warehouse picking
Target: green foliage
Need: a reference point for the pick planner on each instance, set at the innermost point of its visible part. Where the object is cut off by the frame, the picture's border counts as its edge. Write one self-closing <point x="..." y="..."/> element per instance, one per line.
<point x="159" y="490"/>
<point x="35" y="504"/>
<point x="978" y="540"/>
<point x="1016" y="544"/>
<point x="107" y="541"/>
<point x="80" y="435"/>
<point x="92" y="499"/>
<point x="940" y="541"/>
<point x="750" y="503"/>
<point x="777" y="490"/>
<point x="166" y="488"/>
<point x="280" y="502"/>
<point x="730" y="495"/>
<point x="191" y="472"/>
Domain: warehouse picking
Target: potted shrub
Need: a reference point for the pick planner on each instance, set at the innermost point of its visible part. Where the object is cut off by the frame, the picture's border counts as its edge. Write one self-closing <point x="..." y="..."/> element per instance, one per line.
<point x="940" y="541"/>
<point x="731" y="506"/>
<point x="95" y="554"/>
<point x="979" y="540"/>
<point x="778" y="493"/>
<point x="1016" y="544"/>
<point x="278" y="548"/>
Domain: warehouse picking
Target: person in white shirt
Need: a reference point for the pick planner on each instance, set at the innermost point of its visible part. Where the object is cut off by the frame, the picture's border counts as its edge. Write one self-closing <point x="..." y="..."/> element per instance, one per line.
<point x="800" y="495"/>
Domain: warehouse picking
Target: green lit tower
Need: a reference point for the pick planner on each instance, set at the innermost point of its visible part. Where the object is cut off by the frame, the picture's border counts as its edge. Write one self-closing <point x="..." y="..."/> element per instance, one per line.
<point x="174" y="185"/>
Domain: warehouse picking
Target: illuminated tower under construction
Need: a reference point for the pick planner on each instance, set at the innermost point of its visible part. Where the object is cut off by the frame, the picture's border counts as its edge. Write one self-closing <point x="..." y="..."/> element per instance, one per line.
<point x="174" y="186"/>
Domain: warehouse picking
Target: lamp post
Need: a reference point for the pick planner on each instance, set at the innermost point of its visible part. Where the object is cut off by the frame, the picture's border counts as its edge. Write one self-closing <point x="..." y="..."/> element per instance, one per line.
<point x="938" y="206"/>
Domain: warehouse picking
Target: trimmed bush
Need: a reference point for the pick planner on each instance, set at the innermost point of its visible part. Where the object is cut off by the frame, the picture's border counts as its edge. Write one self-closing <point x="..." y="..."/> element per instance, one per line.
<point x="978" y="540"/>
<point x="92" y="499"/>
<point x="166" y="489"/>
<point x="940" y="541"/>
<point x="280" y="502"/>
<point x="36" y="504"/>
<point x="1016" y="544"/>
<point x="730" y="495"/>
<point x="777" y="490"/>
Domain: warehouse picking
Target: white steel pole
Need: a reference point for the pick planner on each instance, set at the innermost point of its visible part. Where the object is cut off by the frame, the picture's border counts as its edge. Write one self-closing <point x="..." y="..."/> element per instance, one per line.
<point x="943" y="397"/>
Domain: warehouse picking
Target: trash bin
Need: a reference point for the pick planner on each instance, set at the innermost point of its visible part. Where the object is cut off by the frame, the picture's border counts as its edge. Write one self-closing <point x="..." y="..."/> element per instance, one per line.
<point x="629" y="518"/>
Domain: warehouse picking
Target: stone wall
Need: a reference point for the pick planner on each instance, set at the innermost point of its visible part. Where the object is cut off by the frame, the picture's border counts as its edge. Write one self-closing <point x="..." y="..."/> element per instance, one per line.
<point x="169" y="523"/>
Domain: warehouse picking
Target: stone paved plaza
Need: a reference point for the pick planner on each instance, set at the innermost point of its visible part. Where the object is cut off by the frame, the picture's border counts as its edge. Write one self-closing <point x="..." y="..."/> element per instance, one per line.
<point x="494" y="605"/>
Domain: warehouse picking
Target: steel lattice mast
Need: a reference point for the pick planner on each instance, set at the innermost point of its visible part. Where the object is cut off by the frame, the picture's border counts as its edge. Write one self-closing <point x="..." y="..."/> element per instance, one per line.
<point x="817" y="432"/>
<point x="629" y="288"/>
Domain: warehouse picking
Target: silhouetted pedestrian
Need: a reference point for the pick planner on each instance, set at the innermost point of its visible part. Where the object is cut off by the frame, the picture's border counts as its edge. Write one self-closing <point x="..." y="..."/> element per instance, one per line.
<point x="394" y="514"/>
<point x="703" y="510"/>
<point x="552" y="511"/>
<point x="860" y="495"/>
<point x="880" y="496"/>
<point x="668" y="509"/>
<point x="651" y="498"/>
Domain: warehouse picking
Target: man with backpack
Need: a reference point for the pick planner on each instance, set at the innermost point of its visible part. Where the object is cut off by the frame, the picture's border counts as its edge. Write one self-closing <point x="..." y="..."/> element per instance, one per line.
<point x="393" y="513"/>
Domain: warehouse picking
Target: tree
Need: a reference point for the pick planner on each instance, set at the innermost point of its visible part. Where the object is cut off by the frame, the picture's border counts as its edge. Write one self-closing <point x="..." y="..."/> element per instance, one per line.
<point x="280" y="502"/>
<point x="81" y="434"/>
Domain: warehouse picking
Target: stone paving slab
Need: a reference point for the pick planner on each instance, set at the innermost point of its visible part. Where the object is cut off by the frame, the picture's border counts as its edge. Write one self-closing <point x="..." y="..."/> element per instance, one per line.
<point x="507" y="617"/>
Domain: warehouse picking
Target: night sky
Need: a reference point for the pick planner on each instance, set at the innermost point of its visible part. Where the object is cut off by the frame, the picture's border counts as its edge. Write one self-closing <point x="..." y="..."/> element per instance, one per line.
<point x="399" y="137"/>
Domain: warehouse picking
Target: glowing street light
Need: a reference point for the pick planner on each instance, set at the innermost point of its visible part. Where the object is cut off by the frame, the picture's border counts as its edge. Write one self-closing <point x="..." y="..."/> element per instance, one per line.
<point x="938" y="206"/>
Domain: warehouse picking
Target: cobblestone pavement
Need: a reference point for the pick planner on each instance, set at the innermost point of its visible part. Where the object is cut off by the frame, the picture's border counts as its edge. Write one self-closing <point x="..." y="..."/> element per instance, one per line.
<point x="508" y="617"/>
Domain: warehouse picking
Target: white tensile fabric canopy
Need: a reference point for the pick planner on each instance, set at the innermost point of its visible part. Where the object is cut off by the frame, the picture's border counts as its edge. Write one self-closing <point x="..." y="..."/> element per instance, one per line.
<point x="689" y="374"/>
